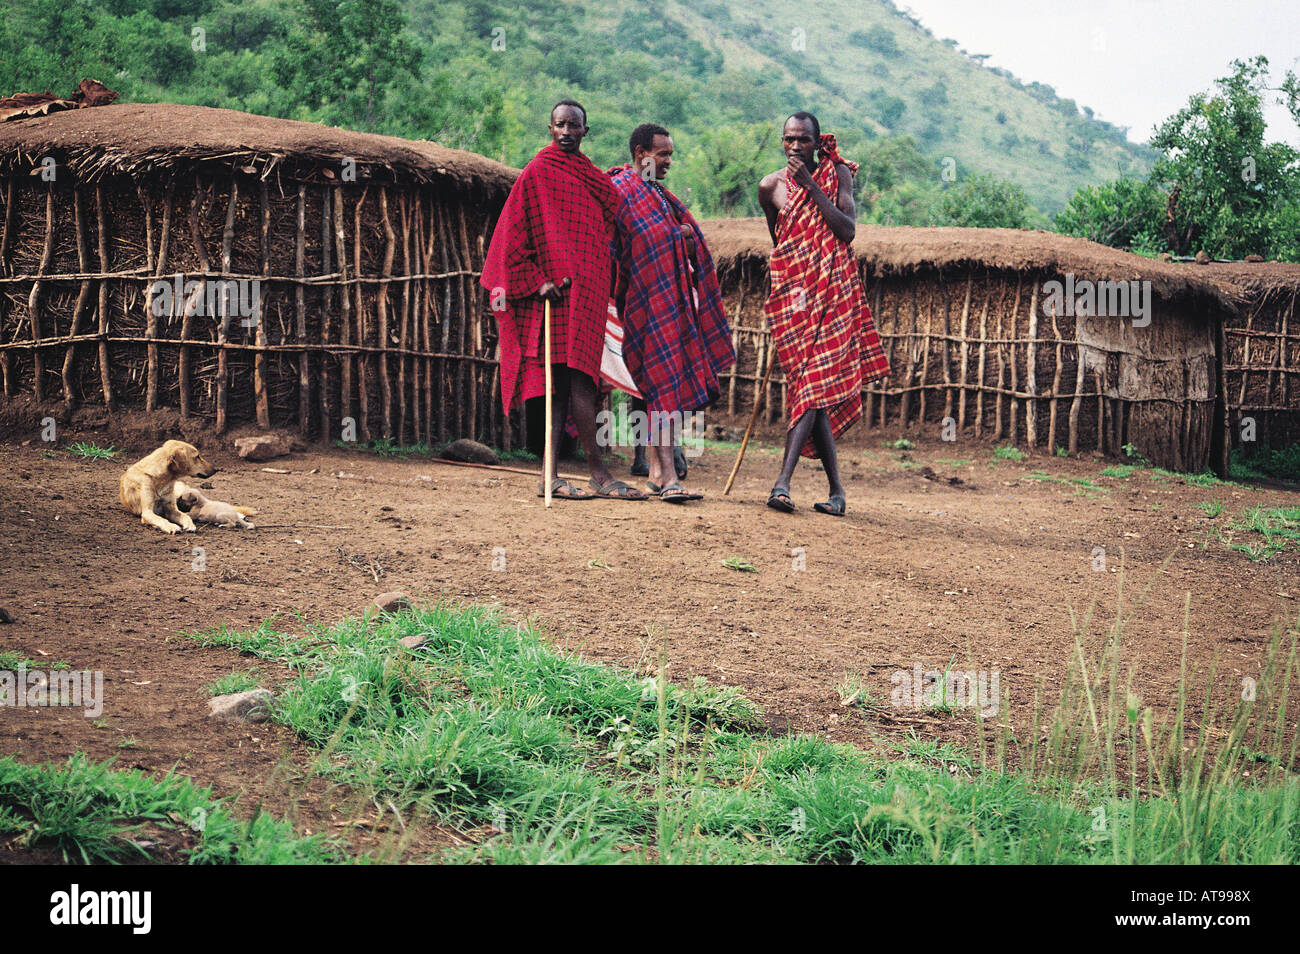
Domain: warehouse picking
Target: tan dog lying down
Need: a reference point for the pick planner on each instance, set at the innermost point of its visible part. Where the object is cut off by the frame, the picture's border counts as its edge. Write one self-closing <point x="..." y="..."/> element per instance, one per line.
<point x="148" y="486"/>
<point x="206" y="510"/>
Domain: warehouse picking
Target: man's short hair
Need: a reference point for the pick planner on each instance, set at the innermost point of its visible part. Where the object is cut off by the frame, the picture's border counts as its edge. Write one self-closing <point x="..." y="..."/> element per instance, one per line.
<point x="570" y="102"/>
<point x="644" y="136"/>
<point x="808" y="118"/>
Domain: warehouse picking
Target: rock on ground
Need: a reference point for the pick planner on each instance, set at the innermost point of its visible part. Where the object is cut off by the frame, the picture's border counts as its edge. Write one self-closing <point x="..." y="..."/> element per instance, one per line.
<point x="263" y="446"/>
<point x="251" y="706"/>
<point x="470" y="452"/>
<point x="389" y="603"/>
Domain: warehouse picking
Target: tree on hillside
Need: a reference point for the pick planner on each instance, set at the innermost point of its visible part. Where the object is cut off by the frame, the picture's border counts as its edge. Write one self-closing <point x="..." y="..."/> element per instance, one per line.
<point x="1228" y="189"/>
<point x="1125" y="214"/>
<point x="346" y="59"/>
<point x="985" y="201"/>
<point x="720" y="175"/>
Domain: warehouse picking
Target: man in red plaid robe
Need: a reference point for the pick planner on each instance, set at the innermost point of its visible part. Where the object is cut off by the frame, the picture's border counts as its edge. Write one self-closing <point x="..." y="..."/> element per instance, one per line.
<point x="825" y="338"/>
<point x="676" y="339"/>
<point x="553" y="242"/>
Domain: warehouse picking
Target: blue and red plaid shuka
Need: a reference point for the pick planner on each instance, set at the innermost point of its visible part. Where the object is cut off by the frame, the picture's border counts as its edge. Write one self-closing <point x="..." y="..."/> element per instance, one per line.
<point x="676" y="338"/>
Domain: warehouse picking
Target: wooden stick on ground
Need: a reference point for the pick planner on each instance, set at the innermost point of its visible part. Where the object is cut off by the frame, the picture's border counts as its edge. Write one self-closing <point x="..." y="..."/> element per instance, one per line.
<point x="753" y="416"/>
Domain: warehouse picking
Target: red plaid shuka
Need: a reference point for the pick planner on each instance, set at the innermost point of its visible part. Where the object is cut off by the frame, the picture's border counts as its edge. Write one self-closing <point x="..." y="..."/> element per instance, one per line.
<point x="557" y="223"/>
<point x="676" y="339"/>
<point x="825" y="337"/>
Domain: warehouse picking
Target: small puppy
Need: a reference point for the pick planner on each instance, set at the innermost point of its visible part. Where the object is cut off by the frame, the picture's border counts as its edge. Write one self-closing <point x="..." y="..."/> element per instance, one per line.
<point x="206" y="510"/>
<point x="148" y="486"/>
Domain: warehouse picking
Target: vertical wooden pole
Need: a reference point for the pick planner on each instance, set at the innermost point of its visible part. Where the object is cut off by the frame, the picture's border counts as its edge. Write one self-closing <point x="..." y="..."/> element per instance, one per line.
<point x="6" y="236"/>
<point x="381" y="307"/>
<point x="1013" y="409"/>
<point x="34" y="299"/>
<point x="101" y="229"/>
<point x="444" y="375"/>
<point x="925" y="357"/>
<point x="428" y="305"/>
<point x="1077" y="403"/>
<point x="403" y="336"/>
<point x="184" y="370"/>
<point x="1056" y="385"/>
<point x="1031" y="371"/>
<point x="300" y="314"/>
<point x="981" y="363"/>
<point x="1102" y="442"/>
<point x="345" y="309"/>
<point x="151" y="319"/>
<point x="261" y="398"/>
<point x="363" y="362"/>
<point x="964" y="351"/>
<point x="83" y="295"/>
<point x="223" y="323"/>
<point x="326" y="317"/>
<point x="949" y="399"/>
<point x="469" y="316"/>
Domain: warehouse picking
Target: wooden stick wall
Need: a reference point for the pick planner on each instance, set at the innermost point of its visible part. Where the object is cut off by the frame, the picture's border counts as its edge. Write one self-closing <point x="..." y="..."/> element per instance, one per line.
<point x="370" y="305"/>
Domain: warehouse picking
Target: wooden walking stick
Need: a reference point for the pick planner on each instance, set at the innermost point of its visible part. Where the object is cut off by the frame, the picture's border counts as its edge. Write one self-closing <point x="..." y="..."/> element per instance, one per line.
<point x="753" y="416"/>
<point x="548" y="456"/>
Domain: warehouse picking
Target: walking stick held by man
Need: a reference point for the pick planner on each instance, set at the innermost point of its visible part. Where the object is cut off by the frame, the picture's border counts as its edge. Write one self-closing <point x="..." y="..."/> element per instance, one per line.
<point x="753" y="417"/>
<point x="548" y="457"/>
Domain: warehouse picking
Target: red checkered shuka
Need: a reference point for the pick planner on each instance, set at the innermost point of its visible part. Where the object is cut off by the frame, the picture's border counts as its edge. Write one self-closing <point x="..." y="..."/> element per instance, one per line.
<point x="557" y="223"/>
<point x="676" y="337"/>
<point x="825" y="337"/>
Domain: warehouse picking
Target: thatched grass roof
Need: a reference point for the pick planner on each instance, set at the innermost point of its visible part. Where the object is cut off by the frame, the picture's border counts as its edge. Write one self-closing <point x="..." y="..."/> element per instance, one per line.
<point x="142" y="139"/>
<point x="904" y="250"/>
<point x="1254" y="277"/>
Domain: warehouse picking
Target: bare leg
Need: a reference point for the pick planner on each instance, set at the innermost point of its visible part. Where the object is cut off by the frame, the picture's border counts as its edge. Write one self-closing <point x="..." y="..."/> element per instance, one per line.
<point x="795" y="438"/>
<point x="661" y="440"/>
<point x="560" y="414"/>
<point x="585" y="394"/>
<point x="824" y="439"/>
<point x="639" y="466"/>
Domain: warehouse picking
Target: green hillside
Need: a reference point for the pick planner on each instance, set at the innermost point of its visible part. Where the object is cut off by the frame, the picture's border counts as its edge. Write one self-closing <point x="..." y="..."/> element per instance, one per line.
<point x="481" y="75"/>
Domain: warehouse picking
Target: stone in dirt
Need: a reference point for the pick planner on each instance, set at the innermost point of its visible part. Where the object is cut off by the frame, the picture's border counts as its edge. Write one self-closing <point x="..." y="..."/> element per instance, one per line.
<point x="471" y="452"/>
<point x="263" y="446"/>
<point x="414" y="641"/>
<point x="390" y="603"/>
<point x="4" y="616"/>
<point x="251" y="706"/>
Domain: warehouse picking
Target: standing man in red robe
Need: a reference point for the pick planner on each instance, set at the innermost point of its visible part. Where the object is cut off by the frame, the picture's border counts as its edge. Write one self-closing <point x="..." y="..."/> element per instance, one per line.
<point x="553" y="242"/>
<point x="825" y="337"/>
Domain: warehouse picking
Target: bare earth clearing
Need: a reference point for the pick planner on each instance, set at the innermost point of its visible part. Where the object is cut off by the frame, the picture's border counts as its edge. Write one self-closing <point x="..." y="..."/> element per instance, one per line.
<point x="921" y="571"/>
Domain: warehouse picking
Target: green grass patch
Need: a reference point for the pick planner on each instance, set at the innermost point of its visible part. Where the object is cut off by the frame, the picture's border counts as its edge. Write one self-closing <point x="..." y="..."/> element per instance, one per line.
<point x="901" y="444"/>
<point x="90" y="813"/>
<point x="570" y="761"/>
<point x="234" y="682"/>
<point x="1008" y="452"/>
<point x="736" y="563"/>
<point x="92" y="451"/>
<point x="1282" y="463"/>
<point x="1212" y="508"/>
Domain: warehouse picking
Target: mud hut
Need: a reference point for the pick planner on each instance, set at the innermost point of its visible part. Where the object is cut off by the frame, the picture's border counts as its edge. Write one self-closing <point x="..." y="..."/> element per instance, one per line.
<point x="1262" y="367"/>
<point x="241" y="268"/>
<point x="1125" y="351"/>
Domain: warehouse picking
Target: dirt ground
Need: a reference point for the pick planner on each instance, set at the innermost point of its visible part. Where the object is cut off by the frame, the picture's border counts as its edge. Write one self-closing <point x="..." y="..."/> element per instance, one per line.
<point x="946" y="556"/>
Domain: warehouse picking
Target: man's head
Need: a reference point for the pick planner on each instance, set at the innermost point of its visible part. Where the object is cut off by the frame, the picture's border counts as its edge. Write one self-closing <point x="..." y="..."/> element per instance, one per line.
<point x="652" y="149"/>
<point x="568" y="125"/>
<point x="800" y="136"/>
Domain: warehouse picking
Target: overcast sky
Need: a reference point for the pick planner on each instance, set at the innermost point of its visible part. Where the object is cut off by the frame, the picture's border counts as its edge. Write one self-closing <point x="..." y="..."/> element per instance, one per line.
<point x="1134" y="62"/>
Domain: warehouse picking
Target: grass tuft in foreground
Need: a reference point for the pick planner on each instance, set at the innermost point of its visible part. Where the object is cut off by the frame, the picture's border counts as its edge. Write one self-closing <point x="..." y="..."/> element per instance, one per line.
<point x="539" y="757"/>
<point x="88" y="813"/>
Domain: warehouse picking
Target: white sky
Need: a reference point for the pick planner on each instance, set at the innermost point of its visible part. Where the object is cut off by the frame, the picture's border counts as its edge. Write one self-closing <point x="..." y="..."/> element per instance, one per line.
<point x="1135" y="62"/>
